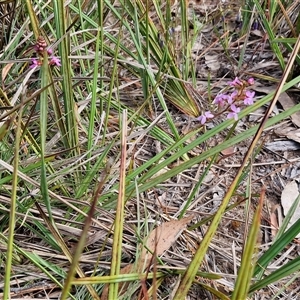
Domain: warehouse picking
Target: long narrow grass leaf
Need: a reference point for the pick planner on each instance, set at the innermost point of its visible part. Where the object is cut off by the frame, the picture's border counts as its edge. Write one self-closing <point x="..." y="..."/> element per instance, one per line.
<point x="119" y="220"/>
<point x="284" y="271"/>
<point x="247" y="263"/>
<point x="61" y="19"/>
<point x="43" y="130"/>
<point x="13" y="209"/>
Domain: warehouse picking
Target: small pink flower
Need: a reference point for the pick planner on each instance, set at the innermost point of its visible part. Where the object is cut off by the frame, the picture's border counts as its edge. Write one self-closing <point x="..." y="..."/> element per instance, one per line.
<point x="34" y="63"/>
<point x="230" y="99"/>
<point x="219" y="100"/>
<point x="235" y="82"/>
<point x="37" y="48"/>
<point x="203" y="118"/>
<point x="233" y="96"/>
<point x="49" y="51"/>
<point x="249" y="98"/>
<point x="234" y="112"/>
<point x="250" y="81"/>
<point x="55" y="61"/>
<point x="222" y="99"/>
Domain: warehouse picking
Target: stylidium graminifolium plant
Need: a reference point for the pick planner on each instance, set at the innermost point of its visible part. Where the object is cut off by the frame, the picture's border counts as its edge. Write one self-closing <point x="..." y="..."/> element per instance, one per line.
<point x="232" y="101"/>
<point x="39" y="48"/>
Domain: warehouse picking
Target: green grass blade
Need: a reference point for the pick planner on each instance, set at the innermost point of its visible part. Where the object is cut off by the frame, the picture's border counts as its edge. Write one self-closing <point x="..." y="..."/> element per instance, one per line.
<point x="61" y="18"/>
<point x="33" y="19"/>
<point x="277" y="247"/>
<point x="287" y="218"/>
<point x="13" y="209"/>
<point x="92" y="116"/>
<point x="119" y="219"/>
<point x="245" y="272"/>
<point x="43" y="130"/>
<point x="271" y="35"/>
<point x="116" y="278"/>
<point x="289" y="268"/>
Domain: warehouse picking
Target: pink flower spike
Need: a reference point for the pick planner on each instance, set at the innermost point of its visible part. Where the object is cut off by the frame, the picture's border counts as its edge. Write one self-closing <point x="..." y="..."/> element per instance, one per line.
<point x="55" y="61"/>
<point x="249" y="98"/>
<point x="250" y="81"/>
<point x="203" y="118"/>
<point x="234" y="112"/>
<point x="235" y="82"/>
